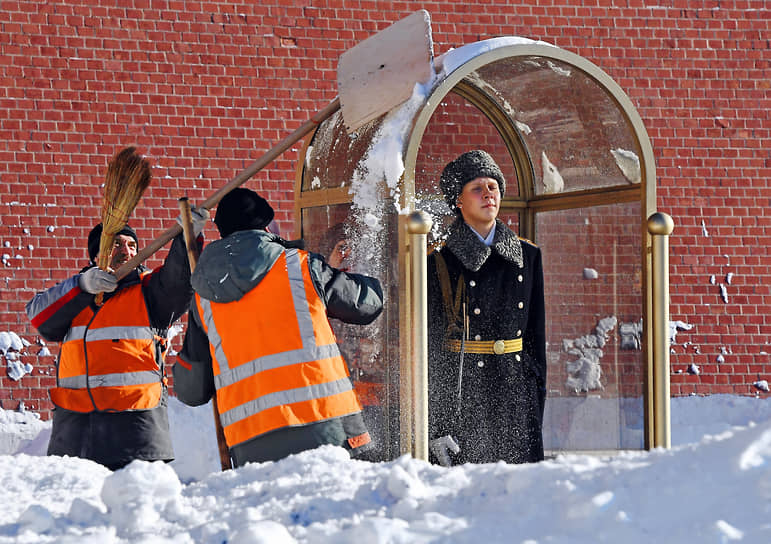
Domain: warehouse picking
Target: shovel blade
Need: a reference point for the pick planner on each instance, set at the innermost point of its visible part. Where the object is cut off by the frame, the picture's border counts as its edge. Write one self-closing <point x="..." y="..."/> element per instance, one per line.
<point x="380" y="73"/>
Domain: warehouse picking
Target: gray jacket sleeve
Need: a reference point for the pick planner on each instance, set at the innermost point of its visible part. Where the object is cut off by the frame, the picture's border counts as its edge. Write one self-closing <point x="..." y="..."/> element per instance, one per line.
<point x="351" y="298"/>
<point x="51" y="311"/>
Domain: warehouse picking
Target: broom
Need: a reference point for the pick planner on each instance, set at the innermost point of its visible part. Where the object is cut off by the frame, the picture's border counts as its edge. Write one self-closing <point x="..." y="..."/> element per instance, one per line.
<point x="128" y="175"/>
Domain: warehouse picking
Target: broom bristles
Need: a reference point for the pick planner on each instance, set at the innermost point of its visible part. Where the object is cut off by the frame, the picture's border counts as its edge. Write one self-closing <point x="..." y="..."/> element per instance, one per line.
<point x="128" y="175"/>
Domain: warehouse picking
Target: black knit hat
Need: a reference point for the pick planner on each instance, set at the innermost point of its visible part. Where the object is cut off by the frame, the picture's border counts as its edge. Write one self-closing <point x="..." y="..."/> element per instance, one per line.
<point x="242" y="209"/>
<point x="96" y="235"/>
<point x="467" y="167"/>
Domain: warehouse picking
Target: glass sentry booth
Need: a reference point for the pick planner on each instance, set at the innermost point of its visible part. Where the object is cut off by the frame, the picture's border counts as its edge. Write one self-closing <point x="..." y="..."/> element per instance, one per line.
<point x="580" y="184"/>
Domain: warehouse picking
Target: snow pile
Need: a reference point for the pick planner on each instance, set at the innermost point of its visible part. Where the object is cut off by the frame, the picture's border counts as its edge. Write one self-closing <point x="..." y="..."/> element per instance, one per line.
<point x="11" y="346"/>
<point x="23" y="432"/>
<point x="711" y="487"/>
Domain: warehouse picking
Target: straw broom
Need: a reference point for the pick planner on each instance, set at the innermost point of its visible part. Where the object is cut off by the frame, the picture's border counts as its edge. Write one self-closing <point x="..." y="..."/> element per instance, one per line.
<point x="128" y="175"/>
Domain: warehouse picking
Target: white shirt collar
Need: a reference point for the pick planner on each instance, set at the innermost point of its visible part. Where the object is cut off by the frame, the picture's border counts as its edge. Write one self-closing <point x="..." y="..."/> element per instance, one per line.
<point x="486" y="241"/>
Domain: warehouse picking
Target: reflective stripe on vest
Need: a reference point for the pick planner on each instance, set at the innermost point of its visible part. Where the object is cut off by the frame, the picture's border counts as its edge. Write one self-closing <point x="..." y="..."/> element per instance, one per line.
<point x="107" y="367"/>
<point x="280" y="366"/>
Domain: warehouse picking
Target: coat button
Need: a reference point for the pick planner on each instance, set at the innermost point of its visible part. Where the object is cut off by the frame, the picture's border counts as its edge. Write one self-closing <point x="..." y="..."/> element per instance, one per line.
<point x="472" y="283"/>
<point x="519" y="332"/>
<point x="517" y="357"/>
<point x="478" y="337"/>
<point x="477" y="311"/>
<point x="521" y="305"/>
<point x="480" y="364"/>
<point x="520" y="278"/>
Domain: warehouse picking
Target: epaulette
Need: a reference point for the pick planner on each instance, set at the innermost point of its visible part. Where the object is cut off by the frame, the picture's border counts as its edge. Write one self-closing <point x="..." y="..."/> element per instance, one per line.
<point x="528" y="241"/>
<point x="435" y="247"/>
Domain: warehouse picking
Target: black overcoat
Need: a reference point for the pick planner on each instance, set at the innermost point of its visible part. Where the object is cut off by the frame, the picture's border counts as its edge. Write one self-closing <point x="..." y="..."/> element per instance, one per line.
<point x="499" y="412"/>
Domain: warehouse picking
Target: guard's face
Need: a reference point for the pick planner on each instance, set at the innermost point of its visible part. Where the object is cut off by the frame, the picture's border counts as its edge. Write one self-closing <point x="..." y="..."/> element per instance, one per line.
<point x="479" y="201"/>
<point x="124" y="248"/>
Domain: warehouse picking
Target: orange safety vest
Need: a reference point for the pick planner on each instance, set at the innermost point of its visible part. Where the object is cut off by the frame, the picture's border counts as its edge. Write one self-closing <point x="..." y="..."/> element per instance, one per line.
<point x="275" y="358"/>
<point x="108" y="358"/>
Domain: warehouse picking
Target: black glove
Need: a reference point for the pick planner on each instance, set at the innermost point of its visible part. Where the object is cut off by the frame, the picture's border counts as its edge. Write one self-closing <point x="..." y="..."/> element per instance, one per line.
<point x="441" y="448"/>
<point x="94" y="280"/>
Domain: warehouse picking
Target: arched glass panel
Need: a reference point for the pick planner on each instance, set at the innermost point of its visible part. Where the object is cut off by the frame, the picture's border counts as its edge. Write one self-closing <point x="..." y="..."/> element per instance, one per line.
<point x="575" y="134"/>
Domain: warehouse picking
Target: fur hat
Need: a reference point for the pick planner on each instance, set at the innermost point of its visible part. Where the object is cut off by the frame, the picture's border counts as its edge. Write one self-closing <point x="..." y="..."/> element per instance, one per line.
<point x="95" y="236"/>
<point x="467" y="167"/>
<point x="242" y="209"/>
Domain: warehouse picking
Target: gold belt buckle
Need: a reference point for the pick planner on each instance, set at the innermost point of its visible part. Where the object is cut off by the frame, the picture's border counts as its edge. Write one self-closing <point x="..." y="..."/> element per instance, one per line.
<point x="499" y="347"/>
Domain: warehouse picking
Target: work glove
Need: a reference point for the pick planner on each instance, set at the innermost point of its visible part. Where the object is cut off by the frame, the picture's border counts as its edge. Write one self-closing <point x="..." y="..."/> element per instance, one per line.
<point x="441" y="448"/>
<point x="200" y="218"/>
<point x="94" y="280"/>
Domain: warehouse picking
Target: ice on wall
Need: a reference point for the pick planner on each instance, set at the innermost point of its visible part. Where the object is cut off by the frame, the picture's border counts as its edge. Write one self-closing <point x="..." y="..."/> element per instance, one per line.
<point x="524" y="128"/>
<point x="552" y="179"/>
<point x="675" y="326"/>
<point x="10" y="341"/>
<point x="11" y="345"/>
<point x="585" y="372"/>
<point x="175" y="330"/>
<point x="631" y="334"/>
<point x="724" y="293"/>
<point x="629" y="164"/>
<point x="17" y="369"/>
<point x="482" y="84"/>
<point x="559" y="70"/>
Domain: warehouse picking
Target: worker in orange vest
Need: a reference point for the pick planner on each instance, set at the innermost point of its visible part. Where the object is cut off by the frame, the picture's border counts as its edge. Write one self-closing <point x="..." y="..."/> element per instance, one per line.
<point x="110" y="399"/>
<point x="259" y="338"/>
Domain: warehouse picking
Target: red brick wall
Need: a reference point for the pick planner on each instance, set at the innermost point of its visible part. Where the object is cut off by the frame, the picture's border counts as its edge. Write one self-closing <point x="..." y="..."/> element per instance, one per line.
<point x="205" y="88"/>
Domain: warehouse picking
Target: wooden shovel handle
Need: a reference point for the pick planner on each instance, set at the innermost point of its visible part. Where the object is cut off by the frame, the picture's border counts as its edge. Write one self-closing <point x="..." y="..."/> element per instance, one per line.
<point x="240" y="179"/>
<point x="187" y="229"/>
<point x="192" y="256"/>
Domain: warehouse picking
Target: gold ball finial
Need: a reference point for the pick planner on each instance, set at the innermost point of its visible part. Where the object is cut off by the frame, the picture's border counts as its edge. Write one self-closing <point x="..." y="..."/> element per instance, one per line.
<point x="419" y="222"/>
<point x="660" y="223"/>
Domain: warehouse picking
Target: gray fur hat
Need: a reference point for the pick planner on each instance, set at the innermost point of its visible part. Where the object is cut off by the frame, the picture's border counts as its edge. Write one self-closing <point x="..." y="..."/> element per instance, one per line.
<point x="467" y="167"/>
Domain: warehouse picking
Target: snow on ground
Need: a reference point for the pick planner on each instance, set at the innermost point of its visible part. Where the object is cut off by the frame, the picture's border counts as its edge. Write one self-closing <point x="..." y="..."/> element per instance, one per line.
<point x="714" y="485"/>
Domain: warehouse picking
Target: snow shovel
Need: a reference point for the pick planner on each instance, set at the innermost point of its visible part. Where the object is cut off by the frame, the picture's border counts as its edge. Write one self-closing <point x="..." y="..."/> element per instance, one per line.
<point x="373" y="77"/>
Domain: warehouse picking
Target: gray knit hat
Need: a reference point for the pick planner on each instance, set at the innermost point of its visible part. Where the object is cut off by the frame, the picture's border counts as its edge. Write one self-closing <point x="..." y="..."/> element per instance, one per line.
<point x="469" y="166"/>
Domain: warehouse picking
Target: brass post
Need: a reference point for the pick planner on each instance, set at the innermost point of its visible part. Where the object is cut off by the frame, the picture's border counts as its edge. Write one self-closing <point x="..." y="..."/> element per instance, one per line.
<point x="418" y="225"/>
<point x="660" y="226"/>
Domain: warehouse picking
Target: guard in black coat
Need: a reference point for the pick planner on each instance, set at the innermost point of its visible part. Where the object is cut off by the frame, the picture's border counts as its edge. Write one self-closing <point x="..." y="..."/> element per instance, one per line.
<point x="487" y="351"/>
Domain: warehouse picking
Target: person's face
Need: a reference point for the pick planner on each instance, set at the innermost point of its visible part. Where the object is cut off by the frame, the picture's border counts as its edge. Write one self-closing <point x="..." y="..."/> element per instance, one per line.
<point x="479" y="202"/>
<point x="123" y="249"/>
